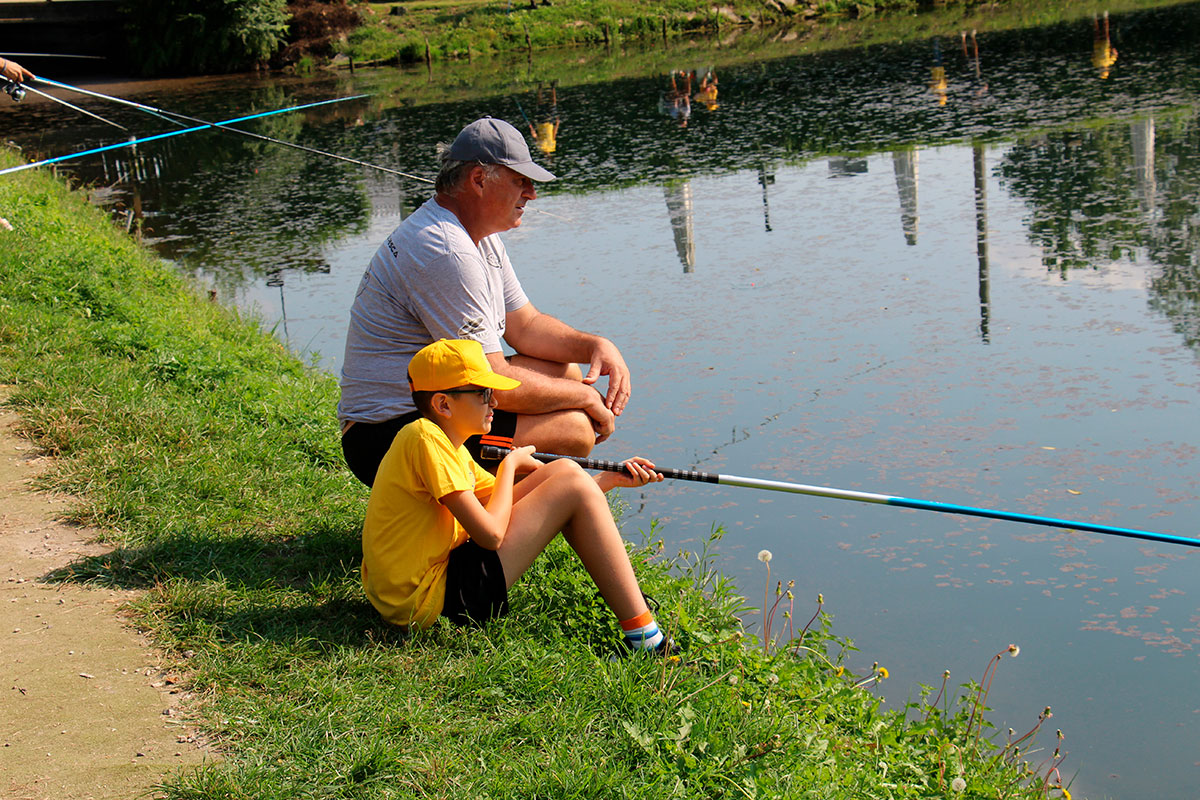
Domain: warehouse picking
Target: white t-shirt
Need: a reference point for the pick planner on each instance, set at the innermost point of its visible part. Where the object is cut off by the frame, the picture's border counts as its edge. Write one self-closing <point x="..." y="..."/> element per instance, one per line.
<point x="427" y="281"/>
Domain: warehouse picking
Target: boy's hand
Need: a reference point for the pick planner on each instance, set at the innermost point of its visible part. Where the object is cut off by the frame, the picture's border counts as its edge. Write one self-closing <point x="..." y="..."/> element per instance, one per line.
<point x="638" y="472"/>
<point x="522" y="460"/>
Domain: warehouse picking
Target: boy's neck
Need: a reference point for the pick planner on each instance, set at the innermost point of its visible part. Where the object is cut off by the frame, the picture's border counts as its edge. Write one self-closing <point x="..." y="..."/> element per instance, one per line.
<point x="448" y="427"/>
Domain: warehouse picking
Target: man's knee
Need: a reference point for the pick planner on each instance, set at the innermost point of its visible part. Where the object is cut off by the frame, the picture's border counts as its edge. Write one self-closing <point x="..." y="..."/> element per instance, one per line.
<point x="568" y="433"/>
<point x="577" y="435"/>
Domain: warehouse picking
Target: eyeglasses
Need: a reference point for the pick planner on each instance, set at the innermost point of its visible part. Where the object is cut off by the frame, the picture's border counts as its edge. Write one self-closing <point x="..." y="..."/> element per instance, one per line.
<point x="485" y="393"/>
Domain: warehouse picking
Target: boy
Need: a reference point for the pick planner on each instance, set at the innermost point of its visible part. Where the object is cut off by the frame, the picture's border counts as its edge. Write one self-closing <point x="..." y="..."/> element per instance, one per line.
<point x="444" y="537"/>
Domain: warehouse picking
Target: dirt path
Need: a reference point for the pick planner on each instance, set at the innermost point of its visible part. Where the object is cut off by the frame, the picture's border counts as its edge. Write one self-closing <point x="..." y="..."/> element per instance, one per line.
<point x="85" y="709"/>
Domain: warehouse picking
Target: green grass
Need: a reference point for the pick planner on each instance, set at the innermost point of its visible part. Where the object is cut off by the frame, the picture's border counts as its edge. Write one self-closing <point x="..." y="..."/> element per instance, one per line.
<point x="211" y="456"/>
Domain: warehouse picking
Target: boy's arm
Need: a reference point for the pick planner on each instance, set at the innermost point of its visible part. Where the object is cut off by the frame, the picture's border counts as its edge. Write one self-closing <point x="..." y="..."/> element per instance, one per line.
<point x="487" y="525"/>
<point x="641" y="471"/>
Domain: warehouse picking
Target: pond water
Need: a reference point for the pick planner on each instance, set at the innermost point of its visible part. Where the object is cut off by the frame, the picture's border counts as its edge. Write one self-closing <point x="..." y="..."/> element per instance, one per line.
<point x="846" y="274"/>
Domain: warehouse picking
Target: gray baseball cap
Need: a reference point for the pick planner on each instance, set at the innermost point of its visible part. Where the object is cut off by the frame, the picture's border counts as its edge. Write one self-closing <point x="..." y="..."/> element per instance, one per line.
<point x="494" y="141"/>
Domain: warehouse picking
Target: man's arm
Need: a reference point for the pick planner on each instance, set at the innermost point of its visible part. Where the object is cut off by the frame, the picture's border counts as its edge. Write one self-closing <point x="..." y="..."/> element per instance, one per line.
<point x="539" y="335"/>
<point x="541" y="394"/>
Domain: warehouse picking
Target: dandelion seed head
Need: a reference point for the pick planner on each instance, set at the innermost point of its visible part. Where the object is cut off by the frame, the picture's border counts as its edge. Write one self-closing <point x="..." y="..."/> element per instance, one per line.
<point x="764" y="556"/>
<point x="1014" y="650"/>
<point x="958" y="785"/>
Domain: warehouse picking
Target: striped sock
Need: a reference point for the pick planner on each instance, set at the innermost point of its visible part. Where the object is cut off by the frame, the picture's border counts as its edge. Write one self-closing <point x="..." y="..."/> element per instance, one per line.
<point x="641" y="632"/>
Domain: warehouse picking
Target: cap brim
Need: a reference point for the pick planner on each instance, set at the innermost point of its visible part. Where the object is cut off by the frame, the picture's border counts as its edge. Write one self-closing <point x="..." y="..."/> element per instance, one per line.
<point x="532" y="171"/>
<point x="494" y="380"/>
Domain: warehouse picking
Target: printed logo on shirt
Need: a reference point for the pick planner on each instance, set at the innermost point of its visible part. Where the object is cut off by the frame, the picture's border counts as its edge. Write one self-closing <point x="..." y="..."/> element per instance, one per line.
<point x="392" y="247"/>
<point x="493" y="260"/>
<point x="471" y="329"/>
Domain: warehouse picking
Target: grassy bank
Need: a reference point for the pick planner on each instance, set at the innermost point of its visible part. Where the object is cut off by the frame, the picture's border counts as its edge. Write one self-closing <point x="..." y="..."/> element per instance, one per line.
<point x="211" y="456"/>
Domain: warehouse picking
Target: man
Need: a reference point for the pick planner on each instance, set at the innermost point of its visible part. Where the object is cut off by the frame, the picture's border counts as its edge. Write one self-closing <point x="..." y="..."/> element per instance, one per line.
<point x="443" y="273"/>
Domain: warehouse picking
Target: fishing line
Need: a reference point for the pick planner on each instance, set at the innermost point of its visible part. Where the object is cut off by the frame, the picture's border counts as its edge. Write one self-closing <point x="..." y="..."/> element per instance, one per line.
<point x="76" y="108"/>
<point x="861" y="497"/>
<point x="168" y="134"/>
<point x="159" y="112"/>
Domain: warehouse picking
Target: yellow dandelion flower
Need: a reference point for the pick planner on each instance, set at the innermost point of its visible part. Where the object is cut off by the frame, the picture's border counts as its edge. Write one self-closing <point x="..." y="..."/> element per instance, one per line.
<point x="883" y="673"/>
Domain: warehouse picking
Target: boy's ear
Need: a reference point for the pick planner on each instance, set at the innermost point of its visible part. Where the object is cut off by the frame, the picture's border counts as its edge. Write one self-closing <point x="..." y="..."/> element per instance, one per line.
<point x="440" y="403"/>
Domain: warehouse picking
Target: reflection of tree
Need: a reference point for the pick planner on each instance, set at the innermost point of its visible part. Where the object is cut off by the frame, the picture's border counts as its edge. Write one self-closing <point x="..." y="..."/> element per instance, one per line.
<point x="1129" y="187"/>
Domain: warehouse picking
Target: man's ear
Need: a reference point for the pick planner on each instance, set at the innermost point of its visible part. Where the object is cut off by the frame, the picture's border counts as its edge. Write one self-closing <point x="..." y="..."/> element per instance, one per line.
<point x="476" y="178"/>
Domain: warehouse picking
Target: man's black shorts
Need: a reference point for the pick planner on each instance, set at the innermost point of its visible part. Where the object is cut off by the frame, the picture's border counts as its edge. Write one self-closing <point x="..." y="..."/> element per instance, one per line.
<point x="364" y="444"/>
<point x="475" y="586"/>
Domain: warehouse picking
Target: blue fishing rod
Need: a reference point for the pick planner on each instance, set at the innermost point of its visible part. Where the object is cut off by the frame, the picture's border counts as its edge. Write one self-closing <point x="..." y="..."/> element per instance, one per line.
<point x="489" y="452"/>
<point x="169" y="134"/>
<point x="175" y="117"/>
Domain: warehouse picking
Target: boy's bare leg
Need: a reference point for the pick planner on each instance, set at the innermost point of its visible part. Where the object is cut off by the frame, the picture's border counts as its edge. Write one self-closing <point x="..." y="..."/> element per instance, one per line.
<point x="562" y="497"/>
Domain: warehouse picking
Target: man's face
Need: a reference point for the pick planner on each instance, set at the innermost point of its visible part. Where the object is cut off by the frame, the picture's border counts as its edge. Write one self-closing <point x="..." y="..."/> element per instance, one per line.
<point x="504" y="198"/>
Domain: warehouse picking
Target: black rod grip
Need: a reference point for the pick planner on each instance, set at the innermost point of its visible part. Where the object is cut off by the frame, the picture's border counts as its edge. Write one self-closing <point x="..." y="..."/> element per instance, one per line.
<point x="493" y="453"/>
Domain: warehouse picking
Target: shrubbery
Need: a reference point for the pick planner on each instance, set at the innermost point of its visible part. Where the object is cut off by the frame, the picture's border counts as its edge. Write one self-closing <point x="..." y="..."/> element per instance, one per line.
<point x="203" y="36"/>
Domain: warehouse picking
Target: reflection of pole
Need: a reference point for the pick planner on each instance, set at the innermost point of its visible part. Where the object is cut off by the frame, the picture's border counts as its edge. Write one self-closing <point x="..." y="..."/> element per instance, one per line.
<point x="679" y="208"/>
<point x="905" y="164"/>
<point x="1141" y="132"/>
<point x="981" y="240"/>
<point x="275" y="278"/>
<point x="765" y="178"/>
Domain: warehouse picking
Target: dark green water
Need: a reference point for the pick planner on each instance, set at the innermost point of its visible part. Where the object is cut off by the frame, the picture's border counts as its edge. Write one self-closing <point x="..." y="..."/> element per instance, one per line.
<point x="833" y="278"/>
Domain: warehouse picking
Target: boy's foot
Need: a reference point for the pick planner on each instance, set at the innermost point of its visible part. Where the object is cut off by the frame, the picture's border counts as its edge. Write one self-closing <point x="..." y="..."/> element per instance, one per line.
<point x="664" y="649"/>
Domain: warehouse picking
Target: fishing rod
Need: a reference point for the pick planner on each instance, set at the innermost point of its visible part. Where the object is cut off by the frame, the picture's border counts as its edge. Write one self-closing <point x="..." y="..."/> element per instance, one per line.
<point x="490" y="452"/>
<point x="171" y="115"/>
<point x="168" y="134"/>
<point x="69" y="105"/>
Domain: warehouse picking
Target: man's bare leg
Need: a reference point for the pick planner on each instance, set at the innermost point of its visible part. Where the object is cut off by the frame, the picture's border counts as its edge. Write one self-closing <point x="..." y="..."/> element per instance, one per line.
<point x="568" y="433"/>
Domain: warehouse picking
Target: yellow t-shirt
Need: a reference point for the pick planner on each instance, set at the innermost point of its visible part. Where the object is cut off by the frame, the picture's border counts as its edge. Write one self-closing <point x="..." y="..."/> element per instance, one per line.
<point x="408" y="533"/>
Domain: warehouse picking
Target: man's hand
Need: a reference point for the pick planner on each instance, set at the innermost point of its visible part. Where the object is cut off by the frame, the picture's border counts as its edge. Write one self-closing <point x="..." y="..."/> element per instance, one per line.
<point x="606" y="360"/>
<point x="14" y="71"/>
<point x="604" y="422"/>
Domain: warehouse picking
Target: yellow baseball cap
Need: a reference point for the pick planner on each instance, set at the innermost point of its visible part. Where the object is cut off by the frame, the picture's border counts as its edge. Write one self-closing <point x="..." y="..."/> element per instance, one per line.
<point x="448" y="363"/>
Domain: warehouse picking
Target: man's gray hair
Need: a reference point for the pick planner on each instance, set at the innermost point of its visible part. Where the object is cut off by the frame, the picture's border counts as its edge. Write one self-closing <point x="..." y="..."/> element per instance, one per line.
<point x="453" y="173"/>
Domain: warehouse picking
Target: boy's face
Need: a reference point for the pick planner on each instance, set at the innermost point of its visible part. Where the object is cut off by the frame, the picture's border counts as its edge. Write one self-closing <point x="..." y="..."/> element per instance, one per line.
<point x="471" y="407"/>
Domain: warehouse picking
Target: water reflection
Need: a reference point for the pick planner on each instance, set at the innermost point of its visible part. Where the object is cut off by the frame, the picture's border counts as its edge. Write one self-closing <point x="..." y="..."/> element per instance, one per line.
<point x="680" y="212"/>
<point x="904" y="162"/>
<point x="827" y="322"/>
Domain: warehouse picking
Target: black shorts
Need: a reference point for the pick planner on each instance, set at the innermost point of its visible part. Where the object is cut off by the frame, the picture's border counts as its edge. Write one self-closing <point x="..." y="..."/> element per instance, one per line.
<point x="475" y="586"/>
<point x="364" y="444"/>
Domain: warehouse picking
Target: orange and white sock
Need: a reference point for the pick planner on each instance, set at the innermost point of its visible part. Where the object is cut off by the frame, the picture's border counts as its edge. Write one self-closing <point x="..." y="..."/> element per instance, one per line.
<point x="641" y="632"/>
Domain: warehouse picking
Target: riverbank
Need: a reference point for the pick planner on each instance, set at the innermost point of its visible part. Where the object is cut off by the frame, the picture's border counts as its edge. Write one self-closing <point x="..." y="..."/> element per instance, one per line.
<point x="207" y="456"/>
<point x="431" y="30"/>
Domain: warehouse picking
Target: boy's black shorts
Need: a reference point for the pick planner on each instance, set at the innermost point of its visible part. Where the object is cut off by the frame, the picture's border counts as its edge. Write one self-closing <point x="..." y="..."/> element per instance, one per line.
<point x="364" y="444"/>
<point x="475" y="585"/>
